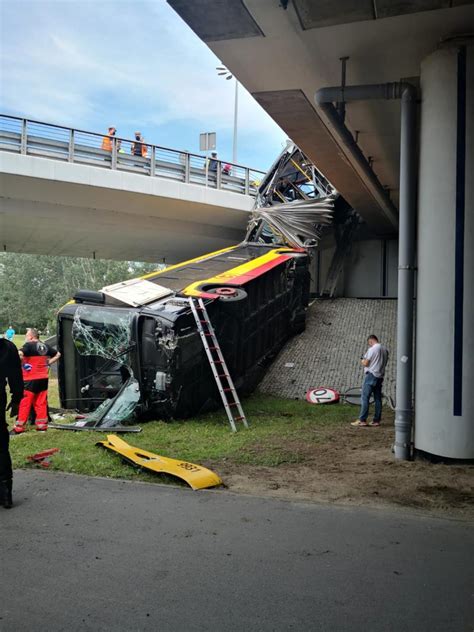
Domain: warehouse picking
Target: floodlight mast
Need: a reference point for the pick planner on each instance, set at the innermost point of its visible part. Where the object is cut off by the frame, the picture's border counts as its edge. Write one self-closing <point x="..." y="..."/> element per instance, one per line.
<point x="222" y="71"/>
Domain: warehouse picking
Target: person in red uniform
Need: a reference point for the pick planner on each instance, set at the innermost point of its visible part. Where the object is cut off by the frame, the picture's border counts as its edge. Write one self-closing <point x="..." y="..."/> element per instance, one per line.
<point x="10" y="371"/>
<point x="36" y="358"/>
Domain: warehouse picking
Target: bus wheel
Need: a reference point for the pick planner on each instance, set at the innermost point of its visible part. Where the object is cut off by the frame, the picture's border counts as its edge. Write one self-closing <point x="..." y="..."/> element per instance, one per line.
<point x="228" y="294"/>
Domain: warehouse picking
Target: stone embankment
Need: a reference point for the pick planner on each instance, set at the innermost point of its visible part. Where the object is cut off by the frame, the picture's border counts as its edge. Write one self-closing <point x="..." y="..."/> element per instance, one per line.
<point x="328" y="352"/>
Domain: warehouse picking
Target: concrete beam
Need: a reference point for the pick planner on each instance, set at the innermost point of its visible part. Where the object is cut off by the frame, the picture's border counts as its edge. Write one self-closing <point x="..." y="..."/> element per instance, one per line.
<point x="48" y="207"/>
<point x="295" y="114"/>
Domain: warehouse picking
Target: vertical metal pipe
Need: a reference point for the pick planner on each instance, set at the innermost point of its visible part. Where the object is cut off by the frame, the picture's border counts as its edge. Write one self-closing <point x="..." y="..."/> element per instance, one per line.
<point x="341" y="106"/>
<point x="152" y="160"/>
<point x="247" y="181"/>
<point x="407" y="224"/>
<point x="384" y="268"/>
<point x="318" y="270"/>
<point x="113" y="163"/>
<point x="187" y="167"/>
<point x="236" y="116"/>
<point x="406" y="274"/>
<point x="71" y="146"/>
<point x="24" y="137"/>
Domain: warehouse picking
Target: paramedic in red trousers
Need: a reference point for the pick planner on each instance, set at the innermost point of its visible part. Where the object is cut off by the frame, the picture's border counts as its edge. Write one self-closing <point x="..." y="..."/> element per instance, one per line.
<point x="36" y="358"/>
<point x="10" y="370"/>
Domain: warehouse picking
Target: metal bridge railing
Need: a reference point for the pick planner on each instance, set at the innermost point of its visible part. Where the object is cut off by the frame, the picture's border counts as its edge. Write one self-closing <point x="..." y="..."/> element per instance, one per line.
<point x="34" y="138"/>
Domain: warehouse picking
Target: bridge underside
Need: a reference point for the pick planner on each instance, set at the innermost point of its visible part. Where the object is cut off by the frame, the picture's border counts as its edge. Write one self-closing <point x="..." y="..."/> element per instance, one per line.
<point x="52" y="208"/>
<point x="282" y="52"/>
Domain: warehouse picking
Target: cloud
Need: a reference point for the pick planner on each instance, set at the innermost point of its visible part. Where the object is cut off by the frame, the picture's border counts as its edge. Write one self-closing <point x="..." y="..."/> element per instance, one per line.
<point x="88" y="63"/>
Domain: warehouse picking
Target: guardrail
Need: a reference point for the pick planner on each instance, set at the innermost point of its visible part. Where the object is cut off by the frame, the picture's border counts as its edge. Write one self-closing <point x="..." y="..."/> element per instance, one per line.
<point x="35" y="138"/>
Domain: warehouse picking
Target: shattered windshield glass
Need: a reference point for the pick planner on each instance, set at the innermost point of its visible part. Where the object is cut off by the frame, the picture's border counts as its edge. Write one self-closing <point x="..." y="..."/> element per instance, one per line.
<point x="114" y="414"/>
<point x="103" y="332"/>
<point x="119" y="410"/>
<point x="106" y="333"/>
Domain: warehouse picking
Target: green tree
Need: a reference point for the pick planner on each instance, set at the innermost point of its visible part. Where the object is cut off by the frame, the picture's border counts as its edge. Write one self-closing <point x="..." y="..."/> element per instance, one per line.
<point x="34" y="287"/>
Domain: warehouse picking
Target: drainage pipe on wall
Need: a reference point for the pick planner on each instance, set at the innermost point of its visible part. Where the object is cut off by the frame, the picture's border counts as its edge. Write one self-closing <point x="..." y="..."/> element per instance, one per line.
<point x="325" y="97"/>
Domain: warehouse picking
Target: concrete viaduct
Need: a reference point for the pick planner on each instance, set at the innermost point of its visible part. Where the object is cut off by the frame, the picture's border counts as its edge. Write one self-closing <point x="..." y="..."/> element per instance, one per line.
<point x="380" y="96"/>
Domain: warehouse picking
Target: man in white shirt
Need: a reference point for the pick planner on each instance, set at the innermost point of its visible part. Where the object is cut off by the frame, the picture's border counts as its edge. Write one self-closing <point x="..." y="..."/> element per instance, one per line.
<point x="374" y="362"/>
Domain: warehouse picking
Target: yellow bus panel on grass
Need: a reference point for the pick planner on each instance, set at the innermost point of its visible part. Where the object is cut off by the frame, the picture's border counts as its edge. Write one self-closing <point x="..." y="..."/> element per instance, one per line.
<point x="196" y="476"/>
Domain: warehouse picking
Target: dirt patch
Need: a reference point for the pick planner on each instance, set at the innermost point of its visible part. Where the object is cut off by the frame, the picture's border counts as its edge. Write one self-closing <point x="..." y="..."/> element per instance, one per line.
<point x="356" y="466"/>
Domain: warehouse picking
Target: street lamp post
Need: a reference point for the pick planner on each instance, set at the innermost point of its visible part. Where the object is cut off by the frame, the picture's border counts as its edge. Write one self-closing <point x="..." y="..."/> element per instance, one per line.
<point x="225" y="72"/>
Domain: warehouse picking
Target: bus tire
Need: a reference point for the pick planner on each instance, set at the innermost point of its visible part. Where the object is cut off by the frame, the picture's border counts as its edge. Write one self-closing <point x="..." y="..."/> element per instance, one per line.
<point x="228" y="295"/>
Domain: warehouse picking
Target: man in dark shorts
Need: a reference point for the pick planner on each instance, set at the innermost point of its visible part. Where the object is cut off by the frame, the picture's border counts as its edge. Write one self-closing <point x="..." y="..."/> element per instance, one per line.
<point x="10" y="370"/>
<point x="36" y="357"/>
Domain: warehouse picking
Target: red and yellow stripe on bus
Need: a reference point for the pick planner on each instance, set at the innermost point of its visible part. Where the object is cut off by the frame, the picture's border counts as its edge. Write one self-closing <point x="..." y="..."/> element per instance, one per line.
<point x="242" y="274"/>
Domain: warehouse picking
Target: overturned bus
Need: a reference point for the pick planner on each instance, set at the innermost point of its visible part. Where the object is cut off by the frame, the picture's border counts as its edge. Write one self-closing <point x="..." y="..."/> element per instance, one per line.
<point x="133" y="350"/>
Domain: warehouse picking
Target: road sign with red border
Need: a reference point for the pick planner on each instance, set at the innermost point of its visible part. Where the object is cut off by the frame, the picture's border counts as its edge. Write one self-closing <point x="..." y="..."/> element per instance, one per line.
<point x="322" y="395"/>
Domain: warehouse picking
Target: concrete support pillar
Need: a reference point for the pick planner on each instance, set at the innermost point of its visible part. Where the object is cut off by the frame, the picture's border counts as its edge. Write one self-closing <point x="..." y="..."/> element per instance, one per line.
<point x="444" y="409"/>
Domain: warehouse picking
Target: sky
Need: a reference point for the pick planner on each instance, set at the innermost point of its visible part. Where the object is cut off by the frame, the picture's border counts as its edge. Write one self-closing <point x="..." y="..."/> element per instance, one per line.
<point x="132" y="64"/>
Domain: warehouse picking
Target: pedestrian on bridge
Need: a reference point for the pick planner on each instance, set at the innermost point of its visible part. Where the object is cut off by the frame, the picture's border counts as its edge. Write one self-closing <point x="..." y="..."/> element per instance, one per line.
<point x="138" y="147"/>
<point x="374" y="362"/>
<point x="107" y="140"/>
<point x="212" y="164"/>
<point x="10" y="370"/>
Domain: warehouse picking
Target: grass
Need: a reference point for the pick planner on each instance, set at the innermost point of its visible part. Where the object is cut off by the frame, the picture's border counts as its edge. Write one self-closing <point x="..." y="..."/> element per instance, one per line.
<point x="278" y="430"/>
<point x="18" y="340"/>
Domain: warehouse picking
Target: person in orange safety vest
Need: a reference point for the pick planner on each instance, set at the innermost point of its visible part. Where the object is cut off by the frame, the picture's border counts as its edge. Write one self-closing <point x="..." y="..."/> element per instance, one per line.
<point x="107" y="140"/>
<point x="36" y="358"/>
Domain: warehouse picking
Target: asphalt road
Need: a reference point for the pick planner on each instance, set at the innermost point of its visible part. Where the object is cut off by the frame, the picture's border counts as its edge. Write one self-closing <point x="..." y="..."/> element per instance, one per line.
<point x="80" y="553"/>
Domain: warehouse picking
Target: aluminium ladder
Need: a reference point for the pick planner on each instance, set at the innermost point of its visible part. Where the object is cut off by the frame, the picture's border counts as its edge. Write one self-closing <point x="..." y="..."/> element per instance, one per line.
<point x="224" y="382"/>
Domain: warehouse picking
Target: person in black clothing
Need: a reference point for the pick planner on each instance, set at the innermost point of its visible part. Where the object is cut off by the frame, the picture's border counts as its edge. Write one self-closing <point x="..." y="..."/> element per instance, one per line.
<point x="10" y="369"/>
<point x="212" y="164"/>
<point x="139" y="148"/>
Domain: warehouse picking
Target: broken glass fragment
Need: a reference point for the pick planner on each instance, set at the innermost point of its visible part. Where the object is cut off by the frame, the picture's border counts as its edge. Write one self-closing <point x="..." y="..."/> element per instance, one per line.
<point x="103" y="332"/>
<point x="118" y="410"/>
<point x="112" y="414"/>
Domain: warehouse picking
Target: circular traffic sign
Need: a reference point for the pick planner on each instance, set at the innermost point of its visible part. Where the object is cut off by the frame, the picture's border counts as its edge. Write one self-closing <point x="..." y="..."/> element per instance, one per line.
<point x="322" y="395"/>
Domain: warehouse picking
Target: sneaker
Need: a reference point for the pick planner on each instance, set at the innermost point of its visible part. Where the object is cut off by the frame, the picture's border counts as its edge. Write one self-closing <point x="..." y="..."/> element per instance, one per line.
<point x="359" y="424"/>
<point x="17" y="429"/>
<point x="374" y="424"/>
